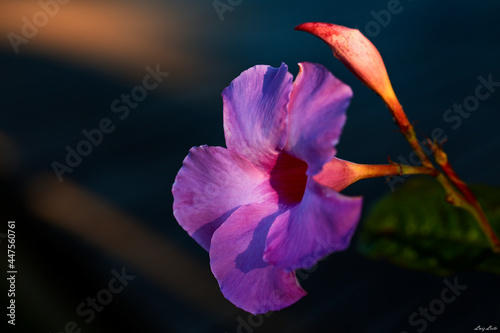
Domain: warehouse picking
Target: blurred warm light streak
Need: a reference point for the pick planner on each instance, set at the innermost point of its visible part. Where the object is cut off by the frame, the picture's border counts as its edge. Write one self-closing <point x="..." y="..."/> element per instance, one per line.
<point x="119" y="36"/>
<point x="69" y="207"/>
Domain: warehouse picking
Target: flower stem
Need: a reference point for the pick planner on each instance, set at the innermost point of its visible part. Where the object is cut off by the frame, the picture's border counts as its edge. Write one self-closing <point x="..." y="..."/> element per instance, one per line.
<point x="457" y="191"/>
<point x="468" y="201"/>
<point x="365" y="171"/>
<point x="406" y="127"/>
<point x="338" y="174"/>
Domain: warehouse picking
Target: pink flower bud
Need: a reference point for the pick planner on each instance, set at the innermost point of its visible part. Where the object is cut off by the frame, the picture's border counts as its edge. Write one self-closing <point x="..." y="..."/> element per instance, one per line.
<point x="357" y="53"/>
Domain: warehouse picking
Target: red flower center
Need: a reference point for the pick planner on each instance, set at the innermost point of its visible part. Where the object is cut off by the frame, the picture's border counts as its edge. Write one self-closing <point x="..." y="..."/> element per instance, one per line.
<point x="288" y="179"/>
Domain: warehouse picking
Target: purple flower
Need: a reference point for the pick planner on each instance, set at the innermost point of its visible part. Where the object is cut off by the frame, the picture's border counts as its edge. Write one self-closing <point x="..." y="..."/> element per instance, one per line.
<point x="256" y="206"/>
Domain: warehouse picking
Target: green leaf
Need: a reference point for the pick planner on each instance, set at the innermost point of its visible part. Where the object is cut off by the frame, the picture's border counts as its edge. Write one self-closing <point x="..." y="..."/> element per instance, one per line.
<point x="415" y="228"/>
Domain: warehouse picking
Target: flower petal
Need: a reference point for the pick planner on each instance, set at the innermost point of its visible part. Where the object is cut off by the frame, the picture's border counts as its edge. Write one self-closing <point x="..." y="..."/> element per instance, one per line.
<point x="236" y="261"/>
<point x="255" y="113"/>
<point x="212" y="183"/>
<point x="322" y="223"/>
<point x="318" y="103"/>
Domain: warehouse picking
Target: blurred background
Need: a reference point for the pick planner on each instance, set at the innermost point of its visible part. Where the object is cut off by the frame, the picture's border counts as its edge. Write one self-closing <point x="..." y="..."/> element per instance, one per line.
<point x="67" y="66"/>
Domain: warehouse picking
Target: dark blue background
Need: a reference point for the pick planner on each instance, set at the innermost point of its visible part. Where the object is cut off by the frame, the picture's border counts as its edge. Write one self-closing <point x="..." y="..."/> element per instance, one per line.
<point x="434" y="52"/>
